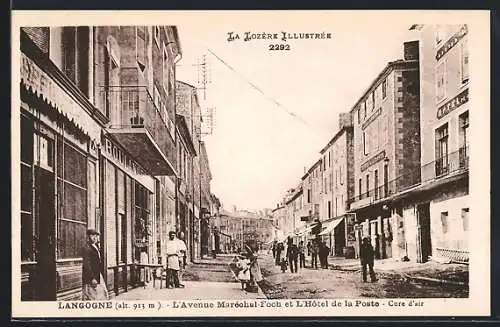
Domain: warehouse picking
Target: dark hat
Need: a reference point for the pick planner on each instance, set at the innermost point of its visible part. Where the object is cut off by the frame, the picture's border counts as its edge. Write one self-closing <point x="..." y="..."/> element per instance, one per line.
<point x="92" y="232"/>
<point x="171" y="232"/>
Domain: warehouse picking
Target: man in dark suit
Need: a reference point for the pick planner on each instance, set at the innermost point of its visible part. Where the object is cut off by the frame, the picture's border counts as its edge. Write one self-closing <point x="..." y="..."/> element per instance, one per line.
<point x="93" y="287"/>
<point x="366" y="255"/>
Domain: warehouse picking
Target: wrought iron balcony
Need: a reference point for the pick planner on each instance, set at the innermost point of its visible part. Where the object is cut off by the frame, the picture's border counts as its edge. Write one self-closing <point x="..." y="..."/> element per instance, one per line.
<point x="454" y="163"/>
<point x="142" y="127"/>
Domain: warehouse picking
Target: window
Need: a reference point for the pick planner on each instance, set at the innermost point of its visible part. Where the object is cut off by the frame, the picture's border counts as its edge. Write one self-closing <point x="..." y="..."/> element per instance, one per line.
<point x="329" y="158"/>
<point x="364" y="109"/>
<point x="72" y="200"/>
<point x="365" y="145"/>
<point x="341" y="176"/>
<point x="373" y="100"/>
<point x="308" y="195"/>
<point x="464" y="58"/>
<point x="386" y="180"/>
<point x="384" y="88"/>
<point x="141" y="48"/>
<point x="27" y="221"/>
<point x="444" y="222"/>
<point x="465" y="219"/>
<point x="464" y="140"/>
<point x="166" y="70"/>
<point x="336" y="206"/>
<point x="360" y="187"/>
<point x="440" y="34"/>
<point x="75" y="58"/>
<point x="157" y="35"/>
<point x="329" y="209"/>
<point x="331" y="182"/>
<point x="359" y="115"/>
<point x="367" y="185"/>
<point x="442" y="150"/>
<point x="375" y="183"/>
<point x="441" y="81"/>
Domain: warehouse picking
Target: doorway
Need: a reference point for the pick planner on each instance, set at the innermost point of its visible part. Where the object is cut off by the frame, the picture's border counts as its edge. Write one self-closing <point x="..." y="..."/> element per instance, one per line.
<point x="424" y="245"/>
<point x="45" y="281"/>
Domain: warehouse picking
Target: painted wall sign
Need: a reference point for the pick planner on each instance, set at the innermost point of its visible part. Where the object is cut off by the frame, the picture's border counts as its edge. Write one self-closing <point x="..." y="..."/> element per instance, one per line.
<point x="451" y="42"/>
<point x="453" y="104"/>
<point x="372" y="118"/>
<point x="373" y="160"/>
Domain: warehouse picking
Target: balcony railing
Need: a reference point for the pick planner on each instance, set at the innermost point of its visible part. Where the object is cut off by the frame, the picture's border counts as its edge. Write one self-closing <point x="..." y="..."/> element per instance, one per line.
<point x="446" y="165"/>
<point x="453" y="162"/>
<point x="132" y="107"/>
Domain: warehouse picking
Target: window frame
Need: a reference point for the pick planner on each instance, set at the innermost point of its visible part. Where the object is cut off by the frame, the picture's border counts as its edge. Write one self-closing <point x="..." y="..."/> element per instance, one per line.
<point x="442" y="64"/>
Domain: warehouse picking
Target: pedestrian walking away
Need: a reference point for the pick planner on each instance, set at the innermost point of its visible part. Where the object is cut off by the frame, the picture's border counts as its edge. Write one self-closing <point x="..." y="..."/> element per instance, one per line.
<point x="279" y="249"/>
<point x="302" y="255"/>
<point x="293" y="253"/>
<point x="93" y="285"/>
<point x="366" y="255"/>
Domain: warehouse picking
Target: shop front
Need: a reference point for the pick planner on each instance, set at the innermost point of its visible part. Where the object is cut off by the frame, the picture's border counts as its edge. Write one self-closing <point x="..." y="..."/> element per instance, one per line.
<point x="58" y="184"/>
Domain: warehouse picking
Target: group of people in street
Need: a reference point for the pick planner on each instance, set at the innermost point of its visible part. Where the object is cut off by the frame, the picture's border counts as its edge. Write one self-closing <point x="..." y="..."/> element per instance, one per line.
<point x="93" y="282"/>
<point x="288" y="254"/>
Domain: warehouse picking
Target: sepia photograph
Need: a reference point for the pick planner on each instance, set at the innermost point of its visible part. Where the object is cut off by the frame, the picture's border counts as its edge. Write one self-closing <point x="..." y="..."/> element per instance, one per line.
<point x="203" y="163"/>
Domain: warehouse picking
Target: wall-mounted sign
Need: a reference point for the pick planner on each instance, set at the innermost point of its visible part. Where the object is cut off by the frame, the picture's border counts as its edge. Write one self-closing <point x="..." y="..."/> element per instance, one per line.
<point x="451" y="42"/>
<point x="453" y="104"/>
<point x="373" y="160"/>
<point x="372" y="118"/>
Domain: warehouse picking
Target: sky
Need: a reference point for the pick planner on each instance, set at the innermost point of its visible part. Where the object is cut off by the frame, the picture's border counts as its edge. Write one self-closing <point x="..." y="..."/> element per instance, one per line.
<point x="258" y="150"/>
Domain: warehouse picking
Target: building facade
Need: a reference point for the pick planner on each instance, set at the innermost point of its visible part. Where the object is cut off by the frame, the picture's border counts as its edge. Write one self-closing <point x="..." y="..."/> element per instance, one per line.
<point x="100" y="144"/>
<point x="386" y="121"/>
<point x="440" y="225"/>
<point x="337" y="159"/>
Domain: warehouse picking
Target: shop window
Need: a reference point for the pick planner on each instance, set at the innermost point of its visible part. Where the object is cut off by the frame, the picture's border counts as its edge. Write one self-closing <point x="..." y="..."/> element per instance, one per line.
<point x="27" y="222"/>
<point x="465" y="219"/>
<point x="72" y="201"/>
<point x="444" y="222"/>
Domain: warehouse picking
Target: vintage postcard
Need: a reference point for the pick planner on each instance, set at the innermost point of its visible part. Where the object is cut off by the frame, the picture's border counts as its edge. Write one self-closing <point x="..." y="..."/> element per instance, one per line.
<point x="250" y="163"/>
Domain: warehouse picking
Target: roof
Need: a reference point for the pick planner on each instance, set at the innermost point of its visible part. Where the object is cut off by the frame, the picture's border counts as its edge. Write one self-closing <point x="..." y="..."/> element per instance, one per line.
<point x="180" y="122"/>
<point x="311" y="169"/>
<point x="391" y="65"/>
<point x="335" y="137"/>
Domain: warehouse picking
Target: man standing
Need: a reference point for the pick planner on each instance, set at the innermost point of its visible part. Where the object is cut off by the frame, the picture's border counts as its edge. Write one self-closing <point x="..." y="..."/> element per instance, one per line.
<point x="173" y="261"/>
<point x="274" y="249"/>
<point x="366" y="255"/>
<point x="279" y="248"/>
<point x="324" y="251"/>
<point x="182" y="255"/>
<point x="93" y="285"/>
<point x="302" y="255"/>
<point x="293" y="253"/>
<point x="314" y="253"/>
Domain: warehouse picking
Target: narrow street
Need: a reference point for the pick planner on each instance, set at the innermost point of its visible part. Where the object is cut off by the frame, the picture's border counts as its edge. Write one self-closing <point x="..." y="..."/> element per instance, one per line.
<point x="211" y="279"/>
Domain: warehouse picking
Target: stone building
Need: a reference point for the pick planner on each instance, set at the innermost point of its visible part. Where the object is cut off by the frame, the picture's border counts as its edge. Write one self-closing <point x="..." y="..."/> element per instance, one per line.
<point x="386" y="123"/>
<point x="337" y="159"/>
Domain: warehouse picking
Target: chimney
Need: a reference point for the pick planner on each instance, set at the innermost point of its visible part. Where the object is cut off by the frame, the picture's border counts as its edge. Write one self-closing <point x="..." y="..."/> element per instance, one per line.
<point x="410" y="50"/>
<point x="345" y="120"/>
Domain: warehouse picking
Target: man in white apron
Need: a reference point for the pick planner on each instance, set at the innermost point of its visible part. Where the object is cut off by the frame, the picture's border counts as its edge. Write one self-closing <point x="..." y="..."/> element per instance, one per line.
<point x="173" y="266"/>
<point x="182" y="256"/>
